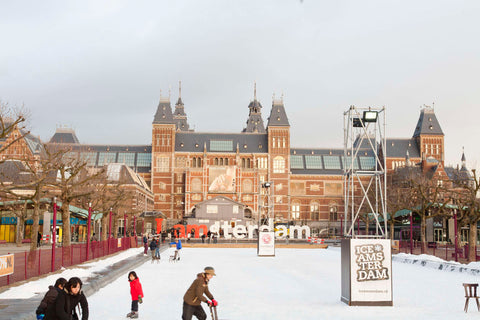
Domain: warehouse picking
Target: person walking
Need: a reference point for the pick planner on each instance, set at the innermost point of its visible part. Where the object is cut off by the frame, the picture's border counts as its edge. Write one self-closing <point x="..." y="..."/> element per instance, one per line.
<point x="195" y="296"/>
<point x="136" y="292"/>
<point x="145" y="244"/>
<point x="157" y="248"/>
<point x="50" y="297"/>
<point x="153" y="246"/>
<point x="67" y="300"/>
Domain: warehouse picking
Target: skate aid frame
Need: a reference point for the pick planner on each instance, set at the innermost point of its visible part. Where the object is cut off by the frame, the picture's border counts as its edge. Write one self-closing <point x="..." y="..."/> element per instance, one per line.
<point x="212" y="309"/>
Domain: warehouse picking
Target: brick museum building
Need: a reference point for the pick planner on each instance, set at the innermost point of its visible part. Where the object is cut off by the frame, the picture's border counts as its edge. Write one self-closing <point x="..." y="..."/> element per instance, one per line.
<point x="203" y="174"/>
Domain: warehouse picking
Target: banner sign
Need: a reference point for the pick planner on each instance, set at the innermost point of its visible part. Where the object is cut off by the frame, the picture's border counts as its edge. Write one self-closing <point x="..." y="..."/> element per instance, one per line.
<point x="266" y="243"/>
<point x="119" y="242"/>
<point x="371" y="270"/>
<point x="6" y="265"/>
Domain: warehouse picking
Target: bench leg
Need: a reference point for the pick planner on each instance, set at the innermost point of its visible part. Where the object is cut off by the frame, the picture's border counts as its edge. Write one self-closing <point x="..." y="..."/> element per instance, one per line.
<point x="466" y="305"/>
<point x="478" y="305"/>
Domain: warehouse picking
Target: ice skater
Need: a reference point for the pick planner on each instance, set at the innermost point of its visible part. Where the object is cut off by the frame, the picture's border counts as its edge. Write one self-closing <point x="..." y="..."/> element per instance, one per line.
<point x="153" y="246"/>
<point x="195" y="296"/>
<point x="178" y="246"/>
<point x="136" y="292"/>
<point x="50" y="297"/>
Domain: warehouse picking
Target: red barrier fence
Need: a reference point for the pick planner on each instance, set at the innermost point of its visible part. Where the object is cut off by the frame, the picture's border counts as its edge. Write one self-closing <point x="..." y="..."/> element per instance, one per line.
<point x="39" y="262"/>
<point x="443" y="251"/>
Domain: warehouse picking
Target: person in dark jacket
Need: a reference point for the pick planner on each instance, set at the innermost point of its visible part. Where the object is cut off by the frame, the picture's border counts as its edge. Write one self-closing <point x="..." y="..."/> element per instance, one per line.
<point x="145" y="244"/>
<point x="67" y="301"/>
<point x="50" y="297"/>
<point x="195" y="296"/>
<point x="153" y="246"/>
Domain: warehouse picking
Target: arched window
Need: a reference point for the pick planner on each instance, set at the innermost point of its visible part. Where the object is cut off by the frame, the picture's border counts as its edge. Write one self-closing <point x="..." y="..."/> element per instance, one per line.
<point x="215" y="162"/>
<point x="333" y="212"/>
<point x="278" y="165"/>
<point x="199" y="162"/>
<point x="314" y="210"/>
<point x="221" y="161"/>
<point x="243" y="162"/>
<point x="295" y="210"/>
<point x="248" y="163"/>
<point x="226" y="161"/>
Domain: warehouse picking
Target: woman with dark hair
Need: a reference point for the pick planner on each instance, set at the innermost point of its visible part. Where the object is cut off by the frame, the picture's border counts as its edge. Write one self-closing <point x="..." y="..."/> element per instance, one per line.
<point x="67" y="301"/>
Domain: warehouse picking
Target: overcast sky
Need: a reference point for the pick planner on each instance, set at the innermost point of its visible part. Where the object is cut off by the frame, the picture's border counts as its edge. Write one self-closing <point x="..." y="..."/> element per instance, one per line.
<point x="99" y="66"/>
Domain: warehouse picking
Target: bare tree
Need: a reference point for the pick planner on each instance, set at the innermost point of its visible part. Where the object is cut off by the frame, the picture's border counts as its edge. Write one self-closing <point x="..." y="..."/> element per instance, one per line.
<point x="425" y="196"/>
<point x="73" y="181"/>
<point x="467" y="203"/>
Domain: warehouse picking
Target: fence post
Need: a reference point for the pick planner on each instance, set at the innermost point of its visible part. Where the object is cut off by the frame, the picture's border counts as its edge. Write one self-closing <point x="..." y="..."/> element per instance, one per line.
<point x="25" y="265"/>
<point x="54" y="231"/>
<point x="88" y="229"/>
<point x="39" y="260"/>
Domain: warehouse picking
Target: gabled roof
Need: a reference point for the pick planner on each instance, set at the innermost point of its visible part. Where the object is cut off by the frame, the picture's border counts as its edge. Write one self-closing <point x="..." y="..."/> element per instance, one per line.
<point x="218" y="199"/>
<point x="278" y="116"/>
<point x="427" y="123"/>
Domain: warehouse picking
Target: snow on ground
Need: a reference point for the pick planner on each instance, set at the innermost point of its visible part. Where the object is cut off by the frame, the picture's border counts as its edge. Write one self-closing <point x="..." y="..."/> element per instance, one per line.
<point x="83" y="271"/>
<point x="295" y="284"/>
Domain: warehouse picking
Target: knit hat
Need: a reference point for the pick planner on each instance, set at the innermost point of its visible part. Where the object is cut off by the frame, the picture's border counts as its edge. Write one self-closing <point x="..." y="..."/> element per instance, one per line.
<point x="210" y="270"/>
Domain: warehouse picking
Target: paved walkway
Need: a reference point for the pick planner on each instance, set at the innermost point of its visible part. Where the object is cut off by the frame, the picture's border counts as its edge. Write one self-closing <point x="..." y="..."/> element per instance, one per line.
<point x="24" y="309"/>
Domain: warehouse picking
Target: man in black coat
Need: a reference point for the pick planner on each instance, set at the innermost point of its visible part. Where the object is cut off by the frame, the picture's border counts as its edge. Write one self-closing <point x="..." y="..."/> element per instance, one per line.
<point x="50" y="297"/>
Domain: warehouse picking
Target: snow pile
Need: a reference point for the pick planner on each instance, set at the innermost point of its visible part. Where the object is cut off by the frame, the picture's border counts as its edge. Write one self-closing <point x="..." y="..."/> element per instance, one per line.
<point x="83" y="271"/>
<point x="437" y="263"/>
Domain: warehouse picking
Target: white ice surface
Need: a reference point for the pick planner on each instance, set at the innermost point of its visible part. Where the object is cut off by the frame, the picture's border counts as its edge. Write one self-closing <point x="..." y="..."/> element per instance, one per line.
<point x="295" y="284"/>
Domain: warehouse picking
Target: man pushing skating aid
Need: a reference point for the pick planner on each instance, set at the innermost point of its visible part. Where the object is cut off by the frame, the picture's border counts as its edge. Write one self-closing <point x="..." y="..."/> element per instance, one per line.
<point x="195" y="296"/>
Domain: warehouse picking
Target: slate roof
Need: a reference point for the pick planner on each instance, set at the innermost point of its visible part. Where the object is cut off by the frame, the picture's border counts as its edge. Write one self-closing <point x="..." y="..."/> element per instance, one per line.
<point x="398" y="147"/>
<point x="255" y="121"/>
<point x="164" y="112"/>
<point x="64" y="135"/>
<point x="278" y="116"/>
<point x="247" y="142"/>
<point x="427" y="123"/>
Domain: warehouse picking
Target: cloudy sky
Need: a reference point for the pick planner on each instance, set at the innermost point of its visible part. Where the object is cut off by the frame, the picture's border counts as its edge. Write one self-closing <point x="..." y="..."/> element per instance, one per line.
<point x="100" y="66"/>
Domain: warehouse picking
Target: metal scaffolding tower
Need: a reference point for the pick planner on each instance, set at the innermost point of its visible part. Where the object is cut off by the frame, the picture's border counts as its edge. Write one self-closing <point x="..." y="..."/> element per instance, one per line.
<point x="365" y="186"/>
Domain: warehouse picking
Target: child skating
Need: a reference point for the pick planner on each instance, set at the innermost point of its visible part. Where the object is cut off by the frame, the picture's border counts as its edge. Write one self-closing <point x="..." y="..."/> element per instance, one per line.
<point x="136" y="292"/>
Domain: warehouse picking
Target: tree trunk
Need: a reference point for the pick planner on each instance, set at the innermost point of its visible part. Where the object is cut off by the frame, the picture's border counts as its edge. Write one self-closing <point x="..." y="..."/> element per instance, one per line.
<point x="66" y="237"/>
<point x="104" y="227"/>
<point x="392" y="229"/>
<point x="35" y="226"/>
<point x="19" y="232"/>
<point x="472" y="242"/>
<point x="423" y="233"/>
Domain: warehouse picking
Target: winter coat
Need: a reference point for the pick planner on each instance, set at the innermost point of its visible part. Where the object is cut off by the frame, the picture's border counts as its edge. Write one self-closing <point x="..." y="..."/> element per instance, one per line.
<point x="136" y="289"/>
<point x="179" y="244"/>
<point x="48" y="299"/>
<point x="195" y="294"/>
<point x="153" y="245"/>
<point x="145" y="240"/>
<point x="64" y="307"/>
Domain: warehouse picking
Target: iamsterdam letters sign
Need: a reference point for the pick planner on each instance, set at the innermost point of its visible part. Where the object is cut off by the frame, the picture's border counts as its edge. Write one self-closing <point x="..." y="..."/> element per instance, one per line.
<point x="241" y="231"/>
